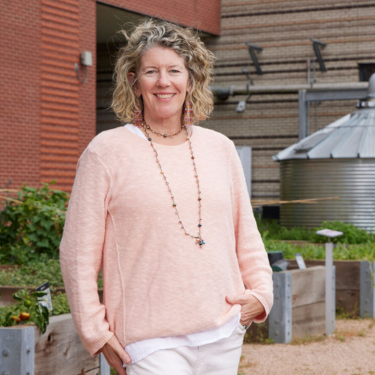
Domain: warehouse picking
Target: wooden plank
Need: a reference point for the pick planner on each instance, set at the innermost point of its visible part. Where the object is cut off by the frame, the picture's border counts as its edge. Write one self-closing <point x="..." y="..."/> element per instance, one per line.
<point x="348" y="300"/>
<point x="347" y="271"/>
<point x="308" y="320"/>
<point x="308" y="286"/>
<point x="347" y="282"/>
<point x="59" y="350"/>
<point x="95" y="371"/>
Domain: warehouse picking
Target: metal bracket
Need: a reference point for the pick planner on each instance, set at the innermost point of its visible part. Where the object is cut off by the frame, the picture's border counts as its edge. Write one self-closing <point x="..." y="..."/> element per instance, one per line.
<point x="280" y="317"/>
<point x="367" y="290"/>
<point x="17" y="351"/>
<point x="313" y="95"/>
<point x="254" y="58"/>
<point x="317" y="44"/>
<point x="104" y="367"/>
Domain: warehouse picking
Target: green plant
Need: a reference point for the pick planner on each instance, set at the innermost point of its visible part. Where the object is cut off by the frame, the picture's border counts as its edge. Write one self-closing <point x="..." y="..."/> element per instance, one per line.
<point x="258" y="334"/>
<point x="36" y="273"/>
<point x="351" y="234"/>
<point x="342" y="314"/>
<point x="32" y="224"/>
<point x="60" y="304"/>
<point x="310" y="251"/>
<point x="25" y="311"/>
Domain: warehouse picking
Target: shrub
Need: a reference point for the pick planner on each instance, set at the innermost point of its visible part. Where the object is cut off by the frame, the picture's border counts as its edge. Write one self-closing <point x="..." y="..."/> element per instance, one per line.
<point x="32" y="225"/>
<point x="36" y="273"/>
<point x="352" y="234"/>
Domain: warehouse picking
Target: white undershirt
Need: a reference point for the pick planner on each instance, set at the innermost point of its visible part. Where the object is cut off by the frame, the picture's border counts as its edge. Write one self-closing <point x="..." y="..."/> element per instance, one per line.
<point x="141" y="349"/>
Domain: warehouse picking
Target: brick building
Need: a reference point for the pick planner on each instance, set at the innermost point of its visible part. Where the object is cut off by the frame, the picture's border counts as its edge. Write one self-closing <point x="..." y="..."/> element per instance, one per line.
<point x="48" y="116"/>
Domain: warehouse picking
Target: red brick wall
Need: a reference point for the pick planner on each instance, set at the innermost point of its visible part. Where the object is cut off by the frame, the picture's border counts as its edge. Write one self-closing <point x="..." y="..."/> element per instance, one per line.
<point x="47" y="117"/>
<point x="20" y="45"/>
<point x="60" y="96"/>
<point x="200" y="14"/>
<point x="87" y="91"/>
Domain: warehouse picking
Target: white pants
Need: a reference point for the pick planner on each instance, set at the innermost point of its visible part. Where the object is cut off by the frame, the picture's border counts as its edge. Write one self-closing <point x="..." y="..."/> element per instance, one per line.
<point x="219" y="358"/>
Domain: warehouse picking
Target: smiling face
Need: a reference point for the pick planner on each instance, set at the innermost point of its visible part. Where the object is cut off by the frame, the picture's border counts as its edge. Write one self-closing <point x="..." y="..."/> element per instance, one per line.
<point x="163" y="82"/>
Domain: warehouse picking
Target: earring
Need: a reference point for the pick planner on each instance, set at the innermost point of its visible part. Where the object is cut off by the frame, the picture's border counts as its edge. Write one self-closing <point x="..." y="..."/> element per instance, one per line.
<point x="188" y="114"/>
<point x="137" y="116"/>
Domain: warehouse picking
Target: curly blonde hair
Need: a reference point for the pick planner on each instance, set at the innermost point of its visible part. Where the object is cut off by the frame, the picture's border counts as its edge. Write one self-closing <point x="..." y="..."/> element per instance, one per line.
<point x="198" y="61"/>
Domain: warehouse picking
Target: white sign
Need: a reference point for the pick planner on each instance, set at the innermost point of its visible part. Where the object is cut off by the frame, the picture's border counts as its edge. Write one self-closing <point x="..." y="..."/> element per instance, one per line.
<point x="329" y="233"/>
<point x="300" y="262"/>
<point x="46" y="300"/>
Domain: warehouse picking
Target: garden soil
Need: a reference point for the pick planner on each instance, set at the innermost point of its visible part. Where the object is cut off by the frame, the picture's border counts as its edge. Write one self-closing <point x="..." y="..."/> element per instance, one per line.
<point x="348" y="351"/>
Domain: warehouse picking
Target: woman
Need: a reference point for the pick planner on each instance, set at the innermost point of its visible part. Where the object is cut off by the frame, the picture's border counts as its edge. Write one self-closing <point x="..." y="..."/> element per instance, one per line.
<point x="162" y="206"/>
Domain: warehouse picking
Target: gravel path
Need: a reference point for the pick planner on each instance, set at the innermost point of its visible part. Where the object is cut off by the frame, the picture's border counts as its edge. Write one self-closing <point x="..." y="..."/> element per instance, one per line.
<point x="349" y="351"/>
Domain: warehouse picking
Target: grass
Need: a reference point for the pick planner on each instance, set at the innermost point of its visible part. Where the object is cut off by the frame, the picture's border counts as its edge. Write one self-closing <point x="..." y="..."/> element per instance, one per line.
<point x="342" y="335"/>
<point x="338" y="335"/>
<point x="307" y="339"/>
<point x="342" y="314"/>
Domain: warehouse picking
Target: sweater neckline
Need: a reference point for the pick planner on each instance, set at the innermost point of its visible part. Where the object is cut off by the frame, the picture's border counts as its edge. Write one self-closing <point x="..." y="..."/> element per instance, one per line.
<point x="159" y="144"/>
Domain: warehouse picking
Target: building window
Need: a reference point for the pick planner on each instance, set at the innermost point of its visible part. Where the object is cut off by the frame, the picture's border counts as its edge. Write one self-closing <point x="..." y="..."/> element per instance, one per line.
<point x="366" y="71"/>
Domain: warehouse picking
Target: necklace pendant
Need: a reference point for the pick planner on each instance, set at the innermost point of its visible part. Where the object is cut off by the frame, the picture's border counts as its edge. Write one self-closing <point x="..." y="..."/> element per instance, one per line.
<point x="201" y="243"/>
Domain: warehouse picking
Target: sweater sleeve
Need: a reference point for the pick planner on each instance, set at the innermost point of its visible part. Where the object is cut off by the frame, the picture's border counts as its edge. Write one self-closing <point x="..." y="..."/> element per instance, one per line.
<point x="81" y="250"/>
<point x="252" y="256"/>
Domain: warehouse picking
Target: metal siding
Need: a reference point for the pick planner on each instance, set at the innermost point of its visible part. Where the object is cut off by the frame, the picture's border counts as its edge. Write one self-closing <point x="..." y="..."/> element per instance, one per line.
<point x="353" y="180"/>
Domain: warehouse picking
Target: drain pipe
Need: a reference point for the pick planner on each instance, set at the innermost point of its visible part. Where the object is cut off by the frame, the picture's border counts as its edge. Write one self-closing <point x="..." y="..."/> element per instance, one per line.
<point x="223" y="93"/>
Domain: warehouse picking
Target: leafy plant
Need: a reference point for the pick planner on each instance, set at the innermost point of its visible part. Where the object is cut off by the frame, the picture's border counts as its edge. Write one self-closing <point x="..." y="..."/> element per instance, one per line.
<point x="32" y="224"/>
<point x="26" y="310"/>
<point x="36" y="273"/>
<point x="60" y="304"/>
<point x="351" y="233"/>
<point x="312" y="251"/>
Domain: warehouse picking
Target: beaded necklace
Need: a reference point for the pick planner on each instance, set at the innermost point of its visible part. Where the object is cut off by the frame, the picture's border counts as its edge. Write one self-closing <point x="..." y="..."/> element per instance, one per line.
<point x="165" y="135"/>
<point x="198" y="238"/>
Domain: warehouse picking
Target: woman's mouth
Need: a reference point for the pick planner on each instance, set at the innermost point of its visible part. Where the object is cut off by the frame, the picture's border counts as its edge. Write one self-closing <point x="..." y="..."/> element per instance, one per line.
<point x="164" y="96"/>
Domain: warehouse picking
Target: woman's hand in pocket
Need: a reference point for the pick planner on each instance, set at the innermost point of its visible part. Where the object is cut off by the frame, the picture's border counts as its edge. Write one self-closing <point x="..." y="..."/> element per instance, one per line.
<point x="115" y="355"/>
<point x="250" y="307"/>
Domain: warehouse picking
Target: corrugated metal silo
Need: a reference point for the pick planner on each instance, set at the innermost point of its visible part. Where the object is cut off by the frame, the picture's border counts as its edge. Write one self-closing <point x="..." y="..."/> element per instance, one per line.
<point x="338" y="160"/>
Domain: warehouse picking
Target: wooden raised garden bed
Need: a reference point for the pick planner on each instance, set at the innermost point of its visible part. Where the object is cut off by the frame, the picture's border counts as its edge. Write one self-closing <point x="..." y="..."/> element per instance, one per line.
<point x="354" y="292"/>
<point x="298" y="309"/>
<point x="58" y="351"/>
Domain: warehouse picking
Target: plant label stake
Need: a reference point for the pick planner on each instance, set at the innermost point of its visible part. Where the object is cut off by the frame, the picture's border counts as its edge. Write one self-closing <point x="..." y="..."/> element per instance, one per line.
<point x="45" y="300"/>
<point x="330" y="287"/>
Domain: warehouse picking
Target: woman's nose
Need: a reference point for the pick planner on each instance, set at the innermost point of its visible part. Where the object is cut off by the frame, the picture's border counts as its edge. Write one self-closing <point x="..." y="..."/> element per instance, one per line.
<point x="163" y="80"/>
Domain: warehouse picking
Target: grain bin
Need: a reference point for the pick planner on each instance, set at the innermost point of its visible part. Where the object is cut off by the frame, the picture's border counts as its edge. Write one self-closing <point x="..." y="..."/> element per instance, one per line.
<point x="338" y="160"/>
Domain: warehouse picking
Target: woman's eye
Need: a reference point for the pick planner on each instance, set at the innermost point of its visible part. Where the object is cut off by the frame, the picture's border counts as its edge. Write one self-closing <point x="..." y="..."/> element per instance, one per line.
<point x="175" y="71"/>
<point x="150" y="72"/>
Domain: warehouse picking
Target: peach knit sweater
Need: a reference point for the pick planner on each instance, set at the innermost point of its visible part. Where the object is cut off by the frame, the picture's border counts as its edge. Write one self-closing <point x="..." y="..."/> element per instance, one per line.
<point x="157" y="281"/>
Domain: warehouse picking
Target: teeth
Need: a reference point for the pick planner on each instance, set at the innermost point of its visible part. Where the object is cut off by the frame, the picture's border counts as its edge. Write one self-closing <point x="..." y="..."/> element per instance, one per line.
<point x="164" y="96"/>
